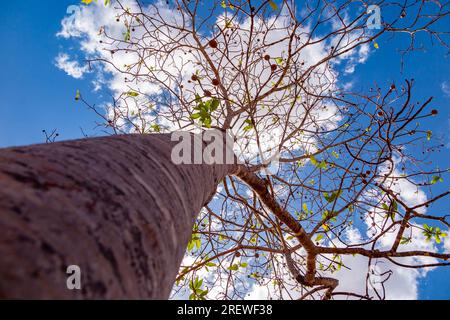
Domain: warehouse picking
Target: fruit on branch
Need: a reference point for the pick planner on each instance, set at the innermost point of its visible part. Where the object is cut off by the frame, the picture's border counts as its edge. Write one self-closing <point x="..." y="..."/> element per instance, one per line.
<point x="213" y="44"/>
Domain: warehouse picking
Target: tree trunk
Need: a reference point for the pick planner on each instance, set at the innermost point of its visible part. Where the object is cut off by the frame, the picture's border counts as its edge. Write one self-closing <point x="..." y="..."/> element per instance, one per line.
<point x="117" y="207"/>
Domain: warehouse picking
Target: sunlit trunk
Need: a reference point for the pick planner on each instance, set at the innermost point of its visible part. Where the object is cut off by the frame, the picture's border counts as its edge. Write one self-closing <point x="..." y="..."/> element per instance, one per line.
<point x="117" y="207"/>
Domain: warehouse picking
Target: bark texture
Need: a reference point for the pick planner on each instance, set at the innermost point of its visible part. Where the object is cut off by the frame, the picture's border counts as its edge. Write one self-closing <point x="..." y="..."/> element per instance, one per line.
<point x="115" y="206"/>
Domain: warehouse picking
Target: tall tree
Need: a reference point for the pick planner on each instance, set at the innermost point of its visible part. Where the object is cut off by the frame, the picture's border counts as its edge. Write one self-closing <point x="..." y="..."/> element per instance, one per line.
<point x="327" y="172"/>
<point x="117" y="207"/>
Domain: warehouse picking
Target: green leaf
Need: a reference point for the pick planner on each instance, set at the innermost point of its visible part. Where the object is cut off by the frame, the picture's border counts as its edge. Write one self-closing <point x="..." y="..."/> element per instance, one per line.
<point x="273" y="5"/>
<point x="335" y="154"/>
<point x="249" y="125"/>
<point x="321" y="165"/>
<point x="155" y="128"/>
<point x="205" y="110"/>
<point x="319" y="237"/>
<point x="78" y="95"/>
<point x="207" y="122"/>
<point x="107" y="2"/>
<point x="127" y="35"/>
<point x="436" y="179"/>
<point x="391" y="210"/>
<point x="394" y="205"/>
<point x="195" y="240"/>
<point x="333" y="196"/>
<point x="305" y="207"/>
<point x="433" y="232"/>
<point x="329" y="215"/>
<point x="132" y="94"/>
<point x="279" y="61"/>
<point x="405" y="240"/>
<point x="233" y="267"/>
<point x="195" y="116"/>
<point x="224" y="4"/>
<point x="214" y="104"/>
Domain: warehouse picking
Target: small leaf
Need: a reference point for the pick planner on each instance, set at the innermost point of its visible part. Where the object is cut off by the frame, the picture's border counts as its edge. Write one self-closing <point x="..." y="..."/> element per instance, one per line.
<point x="78" y="95"/>
<point x="273" y="5"/>
<point x="319" y="237"/>
<point x="305" y="207"/>
<point x="195" y="116"/>
<point x="127" y="35"/>
<point x="233" y="267"/>
<point x="376" y="45"/>
<point x="436" y="179"/>
<point x="405" y="240"/>
<point x="214" y="104"/>
<point x="156" y="128"/>
<point x="249" y="125"/>
<point x="132" y="94"/>
<point x="333" y="196"/>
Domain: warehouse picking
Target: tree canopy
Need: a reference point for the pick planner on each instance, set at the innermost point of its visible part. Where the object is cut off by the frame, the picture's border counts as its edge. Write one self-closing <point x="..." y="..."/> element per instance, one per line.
<point x="337" y="176"/>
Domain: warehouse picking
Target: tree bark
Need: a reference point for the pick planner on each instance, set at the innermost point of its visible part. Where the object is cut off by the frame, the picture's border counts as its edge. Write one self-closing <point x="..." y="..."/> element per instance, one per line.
<point x="117" y="207"/>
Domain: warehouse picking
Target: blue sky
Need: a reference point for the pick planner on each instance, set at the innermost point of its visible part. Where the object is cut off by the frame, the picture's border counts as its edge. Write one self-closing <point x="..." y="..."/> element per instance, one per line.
<point x="36" y="95"/>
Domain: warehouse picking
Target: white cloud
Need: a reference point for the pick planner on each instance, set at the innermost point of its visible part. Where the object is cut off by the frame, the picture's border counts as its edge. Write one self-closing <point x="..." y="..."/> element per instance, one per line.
<point x="72" y="68"/>
<point x="402" y="283"/>
<point x="447" y="242"/>
<point x="445" y="87"/>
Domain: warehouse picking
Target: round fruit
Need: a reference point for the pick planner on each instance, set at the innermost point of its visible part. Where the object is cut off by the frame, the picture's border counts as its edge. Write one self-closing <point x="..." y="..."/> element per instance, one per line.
<point x="213" y="44"/>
